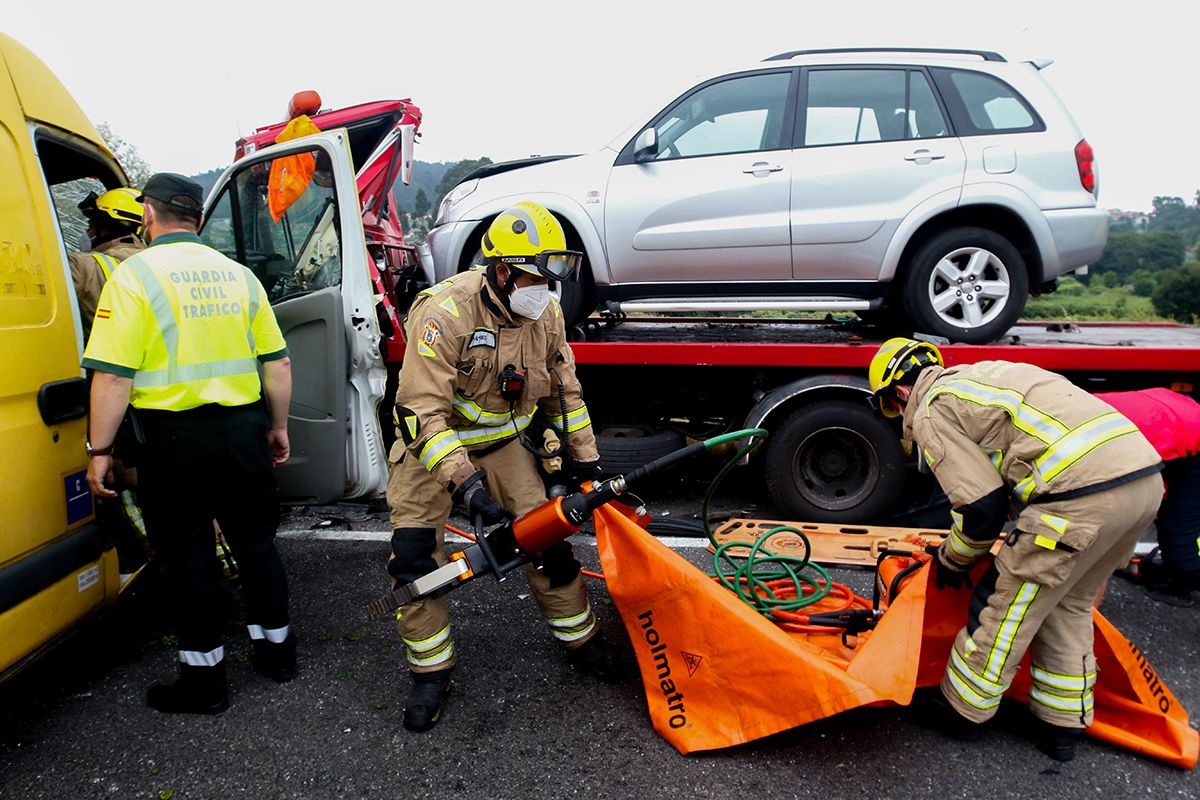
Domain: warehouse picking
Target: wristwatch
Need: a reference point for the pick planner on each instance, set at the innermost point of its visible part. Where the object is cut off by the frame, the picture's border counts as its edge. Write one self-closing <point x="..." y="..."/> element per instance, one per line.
<point x="98" y="451"/>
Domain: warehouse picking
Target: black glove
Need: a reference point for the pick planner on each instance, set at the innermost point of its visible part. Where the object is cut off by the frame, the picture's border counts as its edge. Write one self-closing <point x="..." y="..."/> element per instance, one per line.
<point x="583" y="471"/>
<point x="948" y="578"/>
<point x="474" y="495"/>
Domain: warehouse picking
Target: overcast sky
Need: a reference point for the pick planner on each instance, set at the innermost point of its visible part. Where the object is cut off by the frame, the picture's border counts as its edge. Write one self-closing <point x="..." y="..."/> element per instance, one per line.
<point x="182" y="81"/>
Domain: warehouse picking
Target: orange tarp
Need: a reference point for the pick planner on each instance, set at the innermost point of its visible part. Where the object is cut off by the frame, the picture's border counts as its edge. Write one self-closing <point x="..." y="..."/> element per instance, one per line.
<point x="290" y="175"/>
<point x="717" y="673"/>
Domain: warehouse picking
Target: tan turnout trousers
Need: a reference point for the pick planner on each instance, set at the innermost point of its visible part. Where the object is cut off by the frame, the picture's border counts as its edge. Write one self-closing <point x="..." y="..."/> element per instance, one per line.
<point x="419" y="504"/>
<point x="1040" y="599"/>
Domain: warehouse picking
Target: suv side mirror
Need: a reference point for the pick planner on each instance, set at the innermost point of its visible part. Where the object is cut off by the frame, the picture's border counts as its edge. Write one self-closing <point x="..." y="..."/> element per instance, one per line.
<point x="646" y="145"/>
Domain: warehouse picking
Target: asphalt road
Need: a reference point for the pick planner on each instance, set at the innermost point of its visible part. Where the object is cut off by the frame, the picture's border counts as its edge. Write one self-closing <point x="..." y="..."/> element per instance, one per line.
<point x="520" y="723"/>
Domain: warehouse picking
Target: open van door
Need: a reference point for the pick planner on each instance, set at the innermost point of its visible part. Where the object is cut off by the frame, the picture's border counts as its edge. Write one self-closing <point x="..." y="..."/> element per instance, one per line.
<point x="309" y="251"/>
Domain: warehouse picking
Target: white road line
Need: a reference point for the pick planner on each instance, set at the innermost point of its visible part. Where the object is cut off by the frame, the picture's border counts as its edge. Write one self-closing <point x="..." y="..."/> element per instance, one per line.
<point x="674" y="542"/>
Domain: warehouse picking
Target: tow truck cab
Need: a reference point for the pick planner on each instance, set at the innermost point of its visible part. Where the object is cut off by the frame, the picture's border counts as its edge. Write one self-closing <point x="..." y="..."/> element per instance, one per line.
<point x="339" y="275"/>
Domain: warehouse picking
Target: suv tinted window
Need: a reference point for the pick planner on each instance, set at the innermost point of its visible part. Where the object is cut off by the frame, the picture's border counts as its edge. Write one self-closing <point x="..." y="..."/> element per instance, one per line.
<point x="739" y="115"/>
<point x="981" y="103"/>
<point x="848" y="106"/>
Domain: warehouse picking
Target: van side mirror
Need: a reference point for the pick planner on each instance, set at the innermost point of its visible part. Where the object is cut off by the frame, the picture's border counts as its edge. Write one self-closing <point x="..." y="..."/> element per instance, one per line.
<point x="646" y="145"/>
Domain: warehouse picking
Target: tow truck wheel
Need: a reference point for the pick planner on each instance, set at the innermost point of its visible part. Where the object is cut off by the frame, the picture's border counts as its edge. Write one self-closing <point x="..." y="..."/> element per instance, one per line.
<point x="834" y="461"/>
<point x="966" y="284"/>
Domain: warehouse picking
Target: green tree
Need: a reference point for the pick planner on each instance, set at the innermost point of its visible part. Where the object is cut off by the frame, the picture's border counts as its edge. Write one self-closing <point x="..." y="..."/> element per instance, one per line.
<point x="1178" y="294"/>
<point x="1143" y="282"/>
<point x="1122" y="254"/>
<point x="1162" y="250"/>
<point x="1173" y="214"/>
<point x="421" y="203"/>
<point x="127" y="155"/>
<point x="1110" y="280"/>
<point x="456" y="173"/>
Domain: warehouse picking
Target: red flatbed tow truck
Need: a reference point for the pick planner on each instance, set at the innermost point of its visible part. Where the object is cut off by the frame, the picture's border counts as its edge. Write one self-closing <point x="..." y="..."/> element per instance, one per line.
<point x="652" y="382"/>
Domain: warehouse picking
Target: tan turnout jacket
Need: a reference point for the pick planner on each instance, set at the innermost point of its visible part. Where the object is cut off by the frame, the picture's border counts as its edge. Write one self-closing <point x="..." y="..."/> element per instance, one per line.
<point x="459" y="338"/>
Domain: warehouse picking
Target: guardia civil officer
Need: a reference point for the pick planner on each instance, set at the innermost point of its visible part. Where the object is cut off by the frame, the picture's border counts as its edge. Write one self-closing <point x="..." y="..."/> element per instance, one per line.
<point x="180" y="333"/>
<point x="1089" y="485"/>
<point x="487" y="349"/>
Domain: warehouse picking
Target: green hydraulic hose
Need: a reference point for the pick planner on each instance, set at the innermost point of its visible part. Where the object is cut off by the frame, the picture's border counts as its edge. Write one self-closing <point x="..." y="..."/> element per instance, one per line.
<point x="763" y="579"/>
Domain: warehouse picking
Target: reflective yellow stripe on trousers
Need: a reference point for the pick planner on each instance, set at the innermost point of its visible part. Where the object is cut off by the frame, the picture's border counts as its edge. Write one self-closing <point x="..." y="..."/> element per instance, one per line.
<point x="1066" y="451"/>
<point x="169" y="329"/>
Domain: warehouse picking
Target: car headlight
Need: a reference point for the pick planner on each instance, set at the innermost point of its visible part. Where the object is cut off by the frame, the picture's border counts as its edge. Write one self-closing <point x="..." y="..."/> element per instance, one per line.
<point x="453" y="196"/>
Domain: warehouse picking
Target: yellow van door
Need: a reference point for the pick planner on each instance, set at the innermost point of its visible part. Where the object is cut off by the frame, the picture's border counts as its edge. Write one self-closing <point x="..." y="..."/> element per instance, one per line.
<point x="54" y="567"/>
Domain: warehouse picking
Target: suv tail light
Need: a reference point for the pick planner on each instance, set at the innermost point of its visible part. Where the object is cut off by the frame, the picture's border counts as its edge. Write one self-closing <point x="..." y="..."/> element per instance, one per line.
<point x="1085" y="159"/>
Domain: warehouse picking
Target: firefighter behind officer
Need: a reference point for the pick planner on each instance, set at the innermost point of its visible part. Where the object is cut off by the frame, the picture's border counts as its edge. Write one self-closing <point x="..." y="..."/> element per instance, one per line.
<point x="114" y="224"/>
<point x="486" y="350"/>
<point x="180" y="333"/>
<point x="1089" y="485"/>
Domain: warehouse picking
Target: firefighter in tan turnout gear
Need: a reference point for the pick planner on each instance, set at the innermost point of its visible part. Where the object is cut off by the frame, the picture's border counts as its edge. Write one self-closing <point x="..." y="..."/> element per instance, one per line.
<point x="114" y="224"/>
<point x="1088" y="484"/>
<point x="486" y="350"/>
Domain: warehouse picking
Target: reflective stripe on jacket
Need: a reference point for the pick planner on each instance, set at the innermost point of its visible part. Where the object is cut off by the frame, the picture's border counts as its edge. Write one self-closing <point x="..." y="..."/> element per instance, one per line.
<point x="995" y="423"/>
<point x="187" y="324"/>
<point x="459" y="339"/>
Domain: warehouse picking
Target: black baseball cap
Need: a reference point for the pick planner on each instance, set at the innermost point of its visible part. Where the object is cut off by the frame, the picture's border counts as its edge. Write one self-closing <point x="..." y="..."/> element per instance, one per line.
<point x="175" y="190"/>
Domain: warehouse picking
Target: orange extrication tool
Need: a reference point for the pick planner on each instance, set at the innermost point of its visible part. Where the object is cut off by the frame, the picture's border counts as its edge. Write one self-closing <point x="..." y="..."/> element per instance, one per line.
<point x="509" y="546"/>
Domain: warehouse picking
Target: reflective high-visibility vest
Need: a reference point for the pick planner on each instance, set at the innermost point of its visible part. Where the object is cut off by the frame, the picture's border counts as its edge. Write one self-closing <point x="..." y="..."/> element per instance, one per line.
<point x="187" y="324"/>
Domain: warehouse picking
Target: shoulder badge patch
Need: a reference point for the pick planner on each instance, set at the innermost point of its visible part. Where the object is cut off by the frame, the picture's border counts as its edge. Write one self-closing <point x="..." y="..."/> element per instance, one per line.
<point x="482" y="337"/>
<point x="429" y="336"/>
<point x="450" y="306"/>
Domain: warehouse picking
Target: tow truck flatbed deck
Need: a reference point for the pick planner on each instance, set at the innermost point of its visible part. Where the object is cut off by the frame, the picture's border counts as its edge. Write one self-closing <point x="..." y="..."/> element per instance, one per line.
<point x="771" y="342"/>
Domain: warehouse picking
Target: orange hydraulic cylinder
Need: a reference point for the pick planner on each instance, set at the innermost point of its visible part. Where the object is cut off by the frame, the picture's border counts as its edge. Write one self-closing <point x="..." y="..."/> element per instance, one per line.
<point x="543" y="527"/>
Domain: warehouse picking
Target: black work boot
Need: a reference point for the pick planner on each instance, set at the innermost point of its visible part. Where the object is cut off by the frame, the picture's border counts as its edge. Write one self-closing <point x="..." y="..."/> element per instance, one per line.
<point x="1058" y="742"/>
<point x="276" y="660"/>
<point x="597" y="657"/>
<point x="199" y="690"/>
<point x="931" y="709"/>
<point x="425" y="699"/>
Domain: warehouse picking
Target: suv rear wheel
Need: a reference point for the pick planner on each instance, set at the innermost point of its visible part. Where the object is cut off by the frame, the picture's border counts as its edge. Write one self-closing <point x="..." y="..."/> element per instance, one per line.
<point x="966" y="284"/>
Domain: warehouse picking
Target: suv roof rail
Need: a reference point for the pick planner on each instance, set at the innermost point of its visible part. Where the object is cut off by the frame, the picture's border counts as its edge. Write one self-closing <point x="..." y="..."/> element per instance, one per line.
<point x="986" y="55"/>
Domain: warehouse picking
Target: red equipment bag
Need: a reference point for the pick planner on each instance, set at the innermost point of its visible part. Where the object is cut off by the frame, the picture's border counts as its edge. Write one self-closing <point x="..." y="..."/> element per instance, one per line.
<point x="717" y="673"/>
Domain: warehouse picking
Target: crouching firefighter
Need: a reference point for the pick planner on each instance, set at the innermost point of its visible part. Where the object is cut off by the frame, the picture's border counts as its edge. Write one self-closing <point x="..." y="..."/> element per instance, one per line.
<point x="1088" y="484"/>
<point x="486" y="350"/>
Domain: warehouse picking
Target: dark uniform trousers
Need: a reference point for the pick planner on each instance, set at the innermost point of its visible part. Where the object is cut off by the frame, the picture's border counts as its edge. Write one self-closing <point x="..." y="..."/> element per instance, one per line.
<point x="208" y="463"/>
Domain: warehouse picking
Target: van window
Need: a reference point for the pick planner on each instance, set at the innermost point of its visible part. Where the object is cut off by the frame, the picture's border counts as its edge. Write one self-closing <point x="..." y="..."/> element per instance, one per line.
<point x="740" y="115"/>
<point x="294" y="255"/>
<point x="70" y="170"/>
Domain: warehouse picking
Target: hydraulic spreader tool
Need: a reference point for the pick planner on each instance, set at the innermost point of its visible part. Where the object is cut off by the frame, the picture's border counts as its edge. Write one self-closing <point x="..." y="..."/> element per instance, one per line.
<point x="513" y="544"/>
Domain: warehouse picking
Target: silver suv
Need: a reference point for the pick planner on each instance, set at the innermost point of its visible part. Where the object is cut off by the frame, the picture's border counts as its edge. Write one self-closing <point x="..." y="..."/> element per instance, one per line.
<point x="938" y="188"/>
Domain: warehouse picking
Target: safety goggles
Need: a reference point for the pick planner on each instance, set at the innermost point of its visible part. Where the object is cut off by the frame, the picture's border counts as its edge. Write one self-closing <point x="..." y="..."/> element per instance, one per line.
<point x="555" y="265"/>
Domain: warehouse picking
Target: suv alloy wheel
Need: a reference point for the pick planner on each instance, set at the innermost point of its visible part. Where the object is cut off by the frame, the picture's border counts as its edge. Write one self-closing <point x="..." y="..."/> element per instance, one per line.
<point x="967" y="285"/>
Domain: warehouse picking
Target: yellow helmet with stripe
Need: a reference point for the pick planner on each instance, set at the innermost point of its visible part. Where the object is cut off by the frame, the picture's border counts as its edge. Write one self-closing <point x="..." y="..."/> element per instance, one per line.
<point x="119" y="204"/>
<point x="897" y="360"/>
<point x="528" y="237"/>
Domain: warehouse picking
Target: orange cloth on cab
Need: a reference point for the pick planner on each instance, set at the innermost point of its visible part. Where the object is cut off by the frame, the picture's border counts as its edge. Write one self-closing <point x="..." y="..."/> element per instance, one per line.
<point x="717" y="673"/>
<point x="290" y="175"/>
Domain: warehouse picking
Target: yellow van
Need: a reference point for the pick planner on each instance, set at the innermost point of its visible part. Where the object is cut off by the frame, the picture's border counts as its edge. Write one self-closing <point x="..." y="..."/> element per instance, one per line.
<point x="56" y="569"/>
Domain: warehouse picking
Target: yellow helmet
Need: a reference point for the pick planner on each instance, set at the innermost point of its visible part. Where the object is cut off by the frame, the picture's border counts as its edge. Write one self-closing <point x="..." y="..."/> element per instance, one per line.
<point x="897" y="359"/>
<point x="528" y="237"/>
<point x="120" y="204"/>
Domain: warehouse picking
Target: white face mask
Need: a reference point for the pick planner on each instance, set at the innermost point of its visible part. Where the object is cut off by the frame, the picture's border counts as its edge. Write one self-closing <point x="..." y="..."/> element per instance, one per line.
<point x="529" y="301"/>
